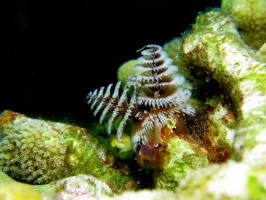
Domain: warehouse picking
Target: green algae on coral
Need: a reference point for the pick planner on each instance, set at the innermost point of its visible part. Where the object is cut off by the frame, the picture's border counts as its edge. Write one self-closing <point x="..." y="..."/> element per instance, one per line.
<point x="173" y="49"/>
<point x="256" y="182"/>
<point x="214" y="47"/>
<point x="236" y="69"/>
<point x="183" y="158"/>
<point x="249" y="18"/>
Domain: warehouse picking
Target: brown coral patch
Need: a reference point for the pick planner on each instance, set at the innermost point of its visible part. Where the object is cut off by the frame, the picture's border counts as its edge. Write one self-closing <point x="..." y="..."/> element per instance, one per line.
<point x="201" y="133"/>
<point x="7" y="117"/>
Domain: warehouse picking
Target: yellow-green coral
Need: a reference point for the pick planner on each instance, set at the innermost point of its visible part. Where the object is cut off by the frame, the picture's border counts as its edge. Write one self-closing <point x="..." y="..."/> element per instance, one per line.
<point x="79" y="151"/>
<point x="126" y="69"/>
<point x="234" y="65"/>
<point x="250" y="19"/>
<point x="214" y="47"/>
<point x="31" y="151"/>
<point x="124" y="145"/>
<point x="173" y="49"/>
<point x="18" y="191"/>
<point x="183" y="159"/>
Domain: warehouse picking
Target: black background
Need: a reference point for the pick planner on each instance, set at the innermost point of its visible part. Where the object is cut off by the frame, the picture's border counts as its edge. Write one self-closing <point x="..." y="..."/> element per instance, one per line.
<point x="55" y="52"/>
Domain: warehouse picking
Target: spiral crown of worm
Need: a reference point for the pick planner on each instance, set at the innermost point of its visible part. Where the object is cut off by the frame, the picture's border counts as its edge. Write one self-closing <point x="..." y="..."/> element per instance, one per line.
<point x="149" y="98"/>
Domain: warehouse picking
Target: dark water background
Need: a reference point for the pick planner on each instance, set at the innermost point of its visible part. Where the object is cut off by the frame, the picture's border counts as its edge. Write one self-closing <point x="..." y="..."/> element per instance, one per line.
<point x="54" y="52"/>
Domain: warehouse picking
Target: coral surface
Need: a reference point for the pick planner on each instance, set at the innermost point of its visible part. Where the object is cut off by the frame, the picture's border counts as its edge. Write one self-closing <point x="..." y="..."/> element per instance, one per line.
<point x="249" y="18"/>
<point x="31" y="150"/>
<point x="39" y="152"/>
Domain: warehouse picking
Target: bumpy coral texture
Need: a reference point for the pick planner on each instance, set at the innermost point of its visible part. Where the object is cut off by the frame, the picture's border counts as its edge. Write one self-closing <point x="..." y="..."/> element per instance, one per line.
<point x="149" y="98"/>
<point x="32" y="151"/>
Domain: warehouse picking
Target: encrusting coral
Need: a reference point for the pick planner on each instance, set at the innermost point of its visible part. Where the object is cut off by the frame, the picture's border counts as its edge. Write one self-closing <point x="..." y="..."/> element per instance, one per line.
<point x="214" y="48"/>
<point x="156" y="95"/>
<point x="39" y="152"/>
<point x="249" y="18"/>
<point x="32" y="155"/>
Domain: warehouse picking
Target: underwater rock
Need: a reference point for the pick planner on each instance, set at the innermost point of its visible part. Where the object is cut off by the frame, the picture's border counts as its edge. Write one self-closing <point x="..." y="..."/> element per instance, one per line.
<point x="147" y="195"/>
<point x="215" y="132"/>
<point x="214" y="48"/>
<point x="235" y="67"/>
<point x="249" y="18"/>
<point x="173" y="49"/>
<point x="38" y="152"/>
<point x="226" y="181"/>
<point x="182" y="158"/>
<point x="82" y="187"/>
<point x="230" y="180"/>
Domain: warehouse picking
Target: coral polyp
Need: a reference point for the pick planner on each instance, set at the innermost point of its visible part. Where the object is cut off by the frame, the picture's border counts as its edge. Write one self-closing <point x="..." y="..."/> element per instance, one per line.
<point x="39" y="152"/>
<point x="31" y="155"/>
<point x="149" y="98"/>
